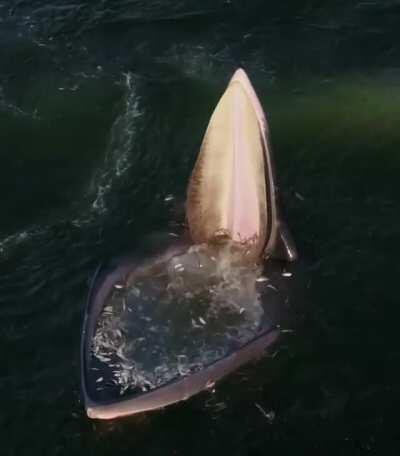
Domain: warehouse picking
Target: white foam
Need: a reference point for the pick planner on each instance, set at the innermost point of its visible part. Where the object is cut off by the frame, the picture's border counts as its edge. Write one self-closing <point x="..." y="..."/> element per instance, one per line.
<point x="121" y="143"/>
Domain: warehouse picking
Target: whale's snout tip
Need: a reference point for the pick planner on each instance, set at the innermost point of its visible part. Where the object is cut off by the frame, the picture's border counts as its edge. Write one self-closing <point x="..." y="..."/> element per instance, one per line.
<point x="240" y="76"/>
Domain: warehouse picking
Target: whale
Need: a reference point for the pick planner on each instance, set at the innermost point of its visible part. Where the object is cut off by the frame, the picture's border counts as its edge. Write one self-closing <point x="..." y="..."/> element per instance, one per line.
<point x="234" y="223"/>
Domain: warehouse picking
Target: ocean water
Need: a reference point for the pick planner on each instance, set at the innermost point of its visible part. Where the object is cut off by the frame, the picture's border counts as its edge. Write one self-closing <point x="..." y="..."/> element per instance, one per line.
<point x="103" y="106"/>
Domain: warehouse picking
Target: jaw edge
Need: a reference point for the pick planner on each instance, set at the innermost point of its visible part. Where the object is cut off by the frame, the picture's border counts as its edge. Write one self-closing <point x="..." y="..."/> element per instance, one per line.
<point x="232" y="191"/>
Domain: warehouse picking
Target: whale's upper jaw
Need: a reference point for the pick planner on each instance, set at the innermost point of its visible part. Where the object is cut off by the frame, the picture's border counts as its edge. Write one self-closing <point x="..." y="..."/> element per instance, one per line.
<point x="231" y="192"/>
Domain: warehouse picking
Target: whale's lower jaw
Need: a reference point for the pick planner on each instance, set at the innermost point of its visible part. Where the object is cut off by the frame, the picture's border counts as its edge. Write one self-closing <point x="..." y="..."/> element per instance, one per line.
<point x="127" y="273"/>
<point x="231" y="193"/>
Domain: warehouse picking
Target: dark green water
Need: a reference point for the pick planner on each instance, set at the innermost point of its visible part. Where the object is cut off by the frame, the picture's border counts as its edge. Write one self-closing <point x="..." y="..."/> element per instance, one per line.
<point x="102" y="109"/>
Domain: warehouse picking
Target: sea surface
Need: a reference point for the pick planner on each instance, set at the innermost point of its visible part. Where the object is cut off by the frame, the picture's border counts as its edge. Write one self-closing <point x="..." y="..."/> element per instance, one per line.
<point x="103" y="105"/>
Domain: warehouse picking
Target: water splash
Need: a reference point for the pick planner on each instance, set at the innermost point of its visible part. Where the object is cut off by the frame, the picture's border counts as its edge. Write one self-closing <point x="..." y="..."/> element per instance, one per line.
<point x="122" y="141"/>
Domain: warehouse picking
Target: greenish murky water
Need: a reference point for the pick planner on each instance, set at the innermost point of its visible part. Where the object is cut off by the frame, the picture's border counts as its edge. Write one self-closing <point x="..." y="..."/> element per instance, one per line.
<point x="102" y="109"/>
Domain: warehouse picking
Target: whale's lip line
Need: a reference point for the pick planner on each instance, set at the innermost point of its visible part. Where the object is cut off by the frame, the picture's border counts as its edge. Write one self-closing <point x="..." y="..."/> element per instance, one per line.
<point x="244" y="210"/>
<point x="240" y="76"/>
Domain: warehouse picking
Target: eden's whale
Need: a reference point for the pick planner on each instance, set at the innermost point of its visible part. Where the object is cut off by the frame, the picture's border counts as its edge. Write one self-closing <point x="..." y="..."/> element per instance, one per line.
<point x="234" y="226"/>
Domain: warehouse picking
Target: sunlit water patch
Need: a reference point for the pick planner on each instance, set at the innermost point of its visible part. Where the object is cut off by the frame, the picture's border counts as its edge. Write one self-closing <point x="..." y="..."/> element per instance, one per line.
<point x="176" y="317"/>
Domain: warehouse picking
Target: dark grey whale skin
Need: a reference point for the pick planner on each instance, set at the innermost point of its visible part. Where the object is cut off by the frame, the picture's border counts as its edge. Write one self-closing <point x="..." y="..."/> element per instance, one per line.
<point x="176" y="390"/>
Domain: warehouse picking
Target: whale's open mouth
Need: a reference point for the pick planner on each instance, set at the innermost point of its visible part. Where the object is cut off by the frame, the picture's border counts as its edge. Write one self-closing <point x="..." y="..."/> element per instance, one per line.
<point x="159" y="333"/>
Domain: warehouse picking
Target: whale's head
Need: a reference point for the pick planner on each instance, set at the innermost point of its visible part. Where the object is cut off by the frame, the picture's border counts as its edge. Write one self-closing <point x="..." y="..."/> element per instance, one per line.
<point x="231" y="193"/>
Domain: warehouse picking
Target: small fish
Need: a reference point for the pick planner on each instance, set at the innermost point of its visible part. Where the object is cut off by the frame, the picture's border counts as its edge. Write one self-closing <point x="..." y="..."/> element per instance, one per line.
<point x="169" y="198"/>
<point x="219" y="406"/>
<point x="135" y="291"/>
<point x="100" y="379"/>
<point x="286" y="274"/>
<point x="298" y="196"/>
<point x="269" y="415"/>
<point x="202" y="321"/>
<point x="272" y="287"/>
<point x="262" y="279"/>
<point x="210" y="384"/>
<point x="118" y="286"/>
<point x="242" y="309"/>
<point x="194" y="324"/>
<point x="173" y="234"/>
